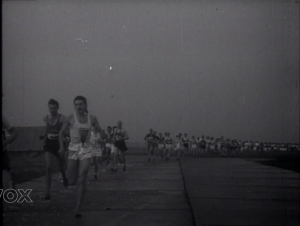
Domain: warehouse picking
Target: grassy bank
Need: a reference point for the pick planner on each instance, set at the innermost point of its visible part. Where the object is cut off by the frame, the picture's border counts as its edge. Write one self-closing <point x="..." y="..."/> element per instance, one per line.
<point x="26" y="166"/>
<point x="285" y="161"/>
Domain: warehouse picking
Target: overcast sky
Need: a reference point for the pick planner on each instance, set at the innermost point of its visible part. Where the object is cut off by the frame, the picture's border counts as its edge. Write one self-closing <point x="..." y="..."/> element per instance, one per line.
<point x="212" y="68"/>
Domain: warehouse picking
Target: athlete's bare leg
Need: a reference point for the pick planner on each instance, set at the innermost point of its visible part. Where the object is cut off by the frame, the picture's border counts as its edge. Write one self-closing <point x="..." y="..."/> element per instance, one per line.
<point x="63" y="166"/>
<point x="108" y="155"/>
<point x="84" y="166"/>
<point x="154" y="150"/>
<point x="114" y="155"/>
<point x="149" y="152"/>
<point x="113" y="160"/>
<point x="49" y="157"/>
<point x="183" y="152"/>
<point x="161" y="153"/>
<point x="122" y="153"/>
<point x="167" y="153"/>
<point x="95" y="161"/>
<point x="72" y="172"/>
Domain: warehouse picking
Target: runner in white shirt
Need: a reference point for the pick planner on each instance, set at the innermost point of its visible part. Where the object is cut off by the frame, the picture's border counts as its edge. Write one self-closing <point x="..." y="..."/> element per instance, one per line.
<point x="161" y="145"/>
<point x="212" y="146"/>
<point x="256" y="147"/>
<point x="185" y="145"/>
<point x="198" y="145"/>
<point x="219" y="145"/>
<point x="207" y="142"/>
<point x="178" y="145"/>
<point x="168" y="145"/>
<point x="202" y="145"/>
<point x="80" y="149"/>
<point x="193" y="145"/>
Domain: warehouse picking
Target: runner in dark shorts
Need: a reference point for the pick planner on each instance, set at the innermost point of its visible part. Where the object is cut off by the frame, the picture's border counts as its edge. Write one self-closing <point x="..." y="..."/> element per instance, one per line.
<point x="150" y="144"/>
<point x="185" y="142"/>
<point x="161" y="145"/>
<point x="120" y="147"/>
<point x="168" y="145"/>
<point x="155" y="145"/>
<point x="54" y="123"/>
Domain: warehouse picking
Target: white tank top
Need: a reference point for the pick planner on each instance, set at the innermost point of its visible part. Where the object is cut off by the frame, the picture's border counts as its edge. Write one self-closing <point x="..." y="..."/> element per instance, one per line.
<point x="168" y="140"/>
<point x="75" y="138"/>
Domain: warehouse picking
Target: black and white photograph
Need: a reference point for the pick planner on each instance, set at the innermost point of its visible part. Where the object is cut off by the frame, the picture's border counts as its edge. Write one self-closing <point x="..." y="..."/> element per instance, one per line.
<point x="150" y="113"/>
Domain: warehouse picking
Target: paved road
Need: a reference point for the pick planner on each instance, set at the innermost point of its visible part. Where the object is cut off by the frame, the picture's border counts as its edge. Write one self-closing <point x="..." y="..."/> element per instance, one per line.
<point x="147" y="194"/>
<point x="221" y="191"/>
<point x="225" y="191"/>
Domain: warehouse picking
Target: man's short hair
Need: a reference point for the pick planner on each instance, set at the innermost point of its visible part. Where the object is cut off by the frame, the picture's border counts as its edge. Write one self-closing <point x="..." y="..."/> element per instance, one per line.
<point x="53" y="102"/>
<point x="80" y="98"/>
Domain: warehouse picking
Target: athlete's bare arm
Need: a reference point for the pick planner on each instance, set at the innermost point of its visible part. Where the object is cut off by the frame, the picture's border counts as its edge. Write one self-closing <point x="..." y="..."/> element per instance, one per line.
<point x="65" y="127"/>
<point x="126" y="137"/>
<point x="62" y="118"/>
<point x="45" y="120"/>
<point x="43" y="137"/>
<point x="94" y="122"/>
<point x="13" y="135"/>
<point x="146" y="137"/>
<point x="11" y="131"/>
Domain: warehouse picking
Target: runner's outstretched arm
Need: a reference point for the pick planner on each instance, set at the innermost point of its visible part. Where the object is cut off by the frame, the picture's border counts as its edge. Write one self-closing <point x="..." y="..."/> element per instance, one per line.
<point x="62" y="131"/>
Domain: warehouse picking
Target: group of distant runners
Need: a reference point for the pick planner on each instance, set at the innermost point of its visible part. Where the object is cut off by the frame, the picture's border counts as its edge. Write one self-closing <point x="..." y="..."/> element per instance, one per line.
<point x="205" y="146"/>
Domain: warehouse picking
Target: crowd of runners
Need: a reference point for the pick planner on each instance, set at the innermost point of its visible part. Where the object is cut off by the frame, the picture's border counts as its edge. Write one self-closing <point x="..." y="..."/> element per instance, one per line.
<point x="206" y="146"/>
<point x="77" y="141"/>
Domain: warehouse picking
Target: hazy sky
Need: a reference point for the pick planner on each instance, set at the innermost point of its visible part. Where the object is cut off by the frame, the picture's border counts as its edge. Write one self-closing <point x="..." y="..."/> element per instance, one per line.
<point x="215" y="68"/>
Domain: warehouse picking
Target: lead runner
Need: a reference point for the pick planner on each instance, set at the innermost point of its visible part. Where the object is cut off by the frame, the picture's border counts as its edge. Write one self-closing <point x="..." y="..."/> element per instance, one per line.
<point x="79" y="148"/>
